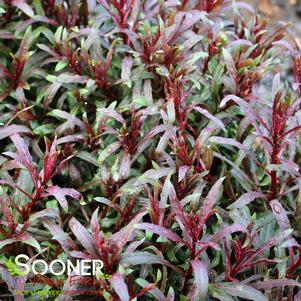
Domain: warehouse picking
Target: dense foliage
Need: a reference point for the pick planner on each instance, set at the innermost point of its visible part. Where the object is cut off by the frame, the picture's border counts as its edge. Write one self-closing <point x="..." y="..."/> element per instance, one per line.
<point x="161" y="137"/>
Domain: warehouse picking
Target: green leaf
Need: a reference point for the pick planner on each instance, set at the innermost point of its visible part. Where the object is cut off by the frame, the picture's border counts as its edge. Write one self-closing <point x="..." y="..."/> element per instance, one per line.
<point x="60" y="66"/>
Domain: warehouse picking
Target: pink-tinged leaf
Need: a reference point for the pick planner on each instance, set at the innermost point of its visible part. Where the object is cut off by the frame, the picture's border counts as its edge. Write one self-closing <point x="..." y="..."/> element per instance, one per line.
<point x="287" y="45"/>
<point x="201" y="280"/>
<point x="106" y="202"/>
<point x="6" y="35"/>
<point x="81" y="255"/>
<point x="127" y="64"/>
<point x="180" y="215"/>
<point x="121" y="237"/>
<point x="134" y="245"/>
<point x="276" y="85"/>
<point x="125" y="166"/>
<point x="24" y="7"/>
<point x="272" y="283"/>
<point x="205" y="244"/>
<point x="113" y="147"/>
<point x="95" y="226"/>
<point x="51" y="92"/>
<point x="61" y="193"/>
<point x="70" y="118"/>
<point x="22" y="237"/>
<point x="241" y="290"/>
<point x="230" y="65"/>
<point x="50" y="51"/>
<point x="240" y="42"/>
<point x="155" y="174"/>
<point x="232" y="142"/>
<point x="290" y="165"/>
<point x="136" y="258"/>
<point x="214" y="119"/>
<point x="246" y="199"/>
<point x="23" y="156"/>
<point x="298" y="296"/>
<point x="13" y="129"/>
<point x="166" y="233"/>
<point x="70" y="78"/>
<point x="120" y="287"/>
<point x="44" y="213"/>
<point x="209" y="201"/>
<point x="15" y="284"/>
<point x="253" y="116"/>
<point x="69" y="139"/>
<point x="12" y="184"/>
<point x="280" y="215"/>
<point x="108" y="59"/>
<point x="239" y="5"/>
<point x="228" y="231"/>
<point x="111" y="113"/>
<point x="155" y="131"/>
<point x="23" y="25"/>
<point x="268" y="245"/>
<point x="84" y="237"/>
<point x="59" y="235"/>
<point x="182" y="172"/>
<point x="155" y="292"/>
<point x="168" y="191"/>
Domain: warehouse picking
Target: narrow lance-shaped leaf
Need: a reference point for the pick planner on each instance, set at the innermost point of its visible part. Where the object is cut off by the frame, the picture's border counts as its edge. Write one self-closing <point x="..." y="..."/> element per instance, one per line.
<point x="241" y="290"/>
<point x="245" y="199"/>
<point x="66" y="242"/>
<point x="214" y="119"/>
<point x="23" y="6"/>
<point x="280" y="215"/>
<point x="9" y="130"/>
<point x="266" y="246"/>
<point x="83" y="236"/>
<point x="166" y="233"/>
<point x="272" y="283"/>
<point x="210" y="200"/>
<point x="120" y="238"/>
<point x="228" y="230"/>
<point x="61" y="193"/>
<point x="120" y="287"/>
<point x="136" y="258"/>
<point x="201" y="279"/>
<point x="230" y="64"/>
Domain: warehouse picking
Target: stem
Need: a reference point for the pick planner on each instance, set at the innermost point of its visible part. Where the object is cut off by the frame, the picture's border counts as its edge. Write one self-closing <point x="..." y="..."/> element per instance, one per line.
<point x="274" y="160"/>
